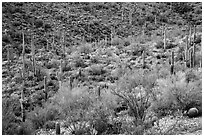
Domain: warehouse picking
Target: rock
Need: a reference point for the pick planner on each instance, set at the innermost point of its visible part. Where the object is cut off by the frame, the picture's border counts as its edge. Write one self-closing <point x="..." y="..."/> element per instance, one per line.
<point x="192" y="112"/>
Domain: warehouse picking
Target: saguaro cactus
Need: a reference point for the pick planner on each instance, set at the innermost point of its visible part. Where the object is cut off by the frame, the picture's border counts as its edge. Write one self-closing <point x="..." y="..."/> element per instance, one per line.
<point x="194" y="56"/>
<point x="172" y="63"/>
<point x="130" y="16"/>
<point x="45" y="88"/>
<point x="10" y="55"/>
<point x="190" y="57"/>
<point x="143" y="59"/>
<point x="57" y="128"/>
<point x="53" y="43"/>
<point x="33" y="55"/>
<point x="164" y="37"/>
<point x="71" y="80"/>
<point x="190" y="33"/>
<point x="60" y="73"/>
<point x="186" y="50"/>
<point x="63" y="44"/>
<point x="23" y="90"/>
<point x="99" y="92"/>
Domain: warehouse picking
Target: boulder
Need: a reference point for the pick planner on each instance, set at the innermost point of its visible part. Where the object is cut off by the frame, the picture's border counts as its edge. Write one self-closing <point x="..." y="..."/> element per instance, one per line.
<point x="192" y="112"/>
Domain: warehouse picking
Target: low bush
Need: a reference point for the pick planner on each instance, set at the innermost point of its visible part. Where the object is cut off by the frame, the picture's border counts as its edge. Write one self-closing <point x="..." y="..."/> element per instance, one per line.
<point x="174" y="93"/>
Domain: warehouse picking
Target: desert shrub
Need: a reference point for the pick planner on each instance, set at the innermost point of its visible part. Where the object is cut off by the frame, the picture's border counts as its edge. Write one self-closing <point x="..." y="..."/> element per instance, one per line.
<point x="78" y="61"/>
<point x="175" y="93"/>
<point x="135" y="89"/>
<point x="85" y="48"/>
<point x="25" y="128"/>
<point x="10" y="112"/>
<point x="49" y="125"/>
<point x="38" y="23"/>
<point x="159" y="45"/>
<point x="40" y="115"/>
<point x="96" y="69"/>
<point x="137" y="49"/>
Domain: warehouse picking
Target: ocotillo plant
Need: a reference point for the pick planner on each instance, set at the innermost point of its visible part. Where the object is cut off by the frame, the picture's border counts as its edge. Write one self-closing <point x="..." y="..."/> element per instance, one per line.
<point x="172" y="63"/>
<point x="33" y="55"/>
<point x="45" y="87"/>
<point x="23" y="75"/>
<point x="57" y="128"/>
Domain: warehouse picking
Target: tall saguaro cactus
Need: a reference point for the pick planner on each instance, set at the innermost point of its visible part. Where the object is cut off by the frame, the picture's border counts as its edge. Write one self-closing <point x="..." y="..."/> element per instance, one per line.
<point x="186" y="50"/>
<point x="63" y="44"/>
<point x="23" y="75"/>
<point x="33" y="55"/>
<point x="164" y="31"/>
<point x="60" y="74"/>
<point x="45" y="88"/>
<point x="143" y="59"/>
<point x="172" y="63"/>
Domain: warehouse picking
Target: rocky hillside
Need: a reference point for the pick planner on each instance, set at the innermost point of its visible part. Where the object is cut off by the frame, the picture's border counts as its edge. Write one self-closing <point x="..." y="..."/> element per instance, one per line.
<point x="103" y="49"/>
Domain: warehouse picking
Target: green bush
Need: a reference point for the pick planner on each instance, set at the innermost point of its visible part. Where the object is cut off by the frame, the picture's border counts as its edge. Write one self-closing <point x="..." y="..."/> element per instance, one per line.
<point x="175" y="93"/>
<point x="40" y="115"/>
<point x="85" y="48"/>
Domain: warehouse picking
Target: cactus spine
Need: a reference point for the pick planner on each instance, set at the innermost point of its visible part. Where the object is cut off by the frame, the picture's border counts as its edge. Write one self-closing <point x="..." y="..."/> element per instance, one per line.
<point x="57" y="128"/>
<point x="23" y="90"/>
